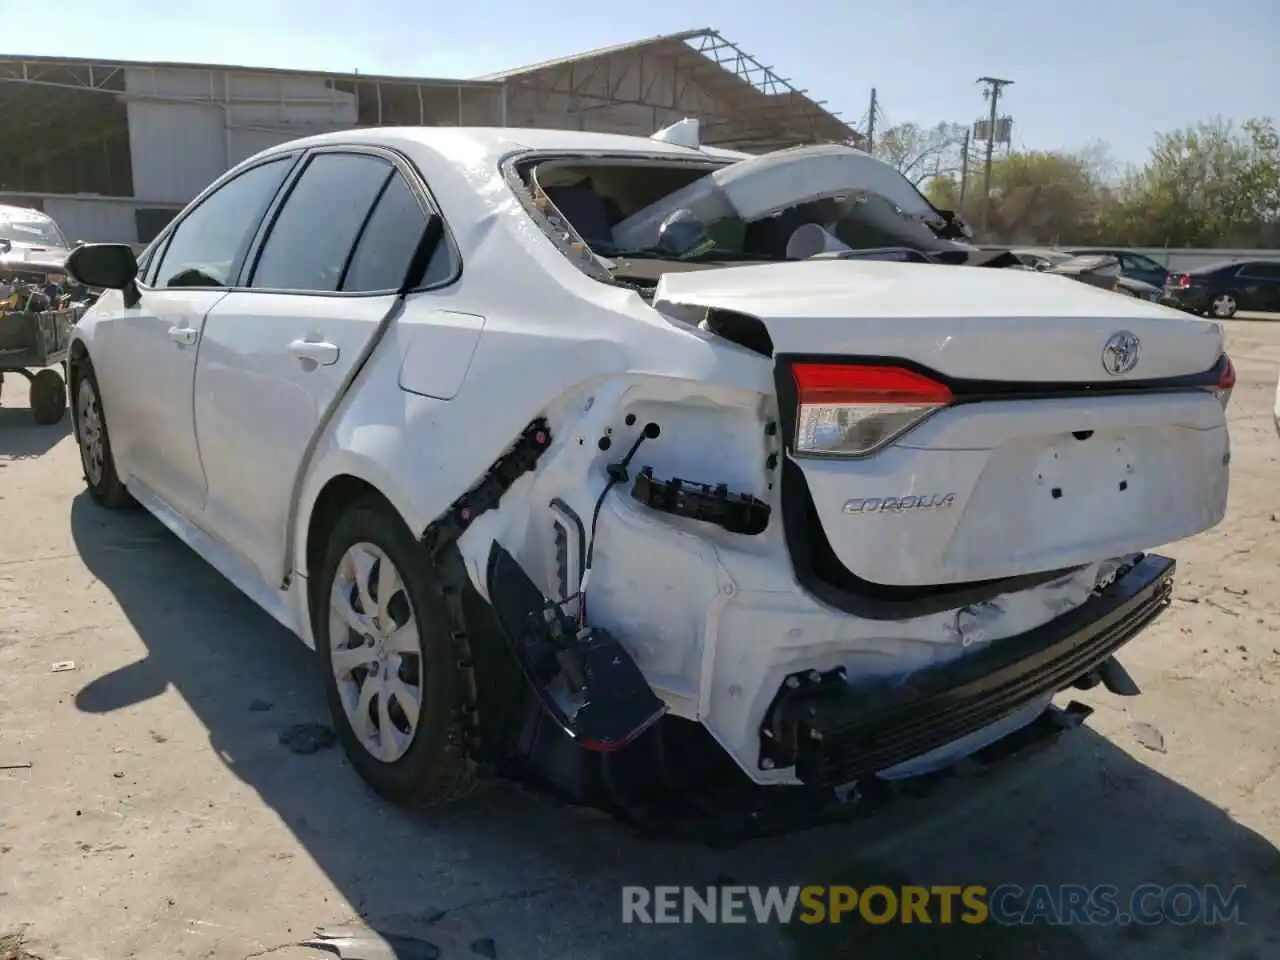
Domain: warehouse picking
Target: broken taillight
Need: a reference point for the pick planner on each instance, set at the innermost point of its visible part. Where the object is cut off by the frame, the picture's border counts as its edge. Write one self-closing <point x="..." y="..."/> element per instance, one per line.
<point x="1225" y="385"/>
<point x="851" y="410"/>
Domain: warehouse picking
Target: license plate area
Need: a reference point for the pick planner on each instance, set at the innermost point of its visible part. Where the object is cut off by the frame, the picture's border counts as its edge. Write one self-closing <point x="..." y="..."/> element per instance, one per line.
<point x="1084" y="469"/>
<point x="1069" y="498"/>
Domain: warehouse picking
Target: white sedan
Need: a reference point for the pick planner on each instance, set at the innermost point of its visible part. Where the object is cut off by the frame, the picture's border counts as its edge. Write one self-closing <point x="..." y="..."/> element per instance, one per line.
<point x="563" y="448"/>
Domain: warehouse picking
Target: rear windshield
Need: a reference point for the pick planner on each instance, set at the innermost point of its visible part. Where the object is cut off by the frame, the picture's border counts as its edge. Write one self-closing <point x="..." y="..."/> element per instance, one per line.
<point x="792" y="204"/>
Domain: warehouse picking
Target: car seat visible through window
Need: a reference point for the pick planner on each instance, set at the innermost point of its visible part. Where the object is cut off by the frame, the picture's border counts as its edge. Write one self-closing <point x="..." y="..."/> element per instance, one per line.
<point x="587" y="212"/>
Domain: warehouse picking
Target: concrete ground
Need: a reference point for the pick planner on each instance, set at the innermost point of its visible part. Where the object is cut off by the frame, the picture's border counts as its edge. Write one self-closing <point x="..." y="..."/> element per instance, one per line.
<point x="160" y="817"/>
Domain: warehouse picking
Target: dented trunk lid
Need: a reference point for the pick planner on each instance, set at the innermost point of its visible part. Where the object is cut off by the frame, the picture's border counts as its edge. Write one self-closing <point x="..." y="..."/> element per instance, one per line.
<point x="1046" y="460"/>
<point x="968" y="322"/>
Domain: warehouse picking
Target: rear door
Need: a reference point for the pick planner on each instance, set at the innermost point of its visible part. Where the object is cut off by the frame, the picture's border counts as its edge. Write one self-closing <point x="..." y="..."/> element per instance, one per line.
<point x="276" y="353"/>
<point x="148" y="352"/>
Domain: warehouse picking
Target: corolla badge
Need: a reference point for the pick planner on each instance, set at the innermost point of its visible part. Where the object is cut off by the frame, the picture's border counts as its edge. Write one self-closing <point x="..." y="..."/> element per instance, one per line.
<point x="933" y="501"/>
<point x="1120" y="354"/>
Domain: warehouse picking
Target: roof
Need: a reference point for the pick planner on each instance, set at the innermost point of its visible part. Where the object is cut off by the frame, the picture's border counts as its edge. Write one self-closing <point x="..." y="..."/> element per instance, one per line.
<point x="650" y="43"/>
<point x="15" y="58"/>
<point x="766" y="103"/>
<point x="12" y="211"/>
<point x="490" y="144"/>
<point x="760" y="110"/>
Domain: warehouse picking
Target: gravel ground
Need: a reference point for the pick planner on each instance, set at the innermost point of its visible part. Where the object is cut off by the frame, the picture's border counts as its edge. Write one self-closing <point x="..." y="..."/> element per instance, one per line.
<point x="160" y="817"/>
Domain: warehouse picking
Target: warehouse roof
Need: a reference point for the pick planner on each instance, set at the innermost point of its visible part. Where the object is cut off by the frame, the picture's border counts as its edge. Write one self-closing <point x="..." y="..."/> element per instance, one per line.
<point x="731" y="76"/>
<point x="766" y="110"/>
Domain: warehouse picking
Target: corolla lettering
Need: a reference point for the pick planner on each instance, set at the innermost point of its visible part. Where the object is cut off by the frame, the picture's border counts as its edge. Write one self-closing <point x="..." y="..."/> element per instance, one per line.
<point x="935" y="501"/>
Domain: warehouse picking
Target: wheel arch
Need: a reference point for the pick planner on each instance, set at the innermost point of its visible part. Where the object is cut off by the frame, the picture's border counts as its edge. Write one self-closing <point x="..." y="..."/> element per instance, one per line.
<point x="77" y="358"/>
<point x="341" y="480"/>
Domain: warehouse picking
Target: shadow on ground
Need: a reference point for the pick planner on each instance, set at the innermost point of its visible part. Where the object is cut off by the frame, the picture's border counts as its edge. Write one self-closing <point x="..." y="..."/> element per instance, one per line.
<point x="544" y="880"/>
<point x="22" y="438"/>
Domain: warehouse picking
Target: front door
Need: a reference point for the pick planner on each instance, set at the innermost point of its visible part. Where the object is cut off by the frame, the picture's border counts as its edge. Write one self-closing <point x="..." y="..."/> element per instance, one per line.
<point x="159" y="339"/>
<point x="276" y="355"/>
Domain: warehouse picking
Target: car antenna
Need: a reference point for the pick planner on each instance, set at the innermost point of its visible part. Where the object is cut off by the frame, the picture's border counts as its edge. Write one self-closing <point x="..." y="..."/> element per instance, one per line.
<point x="682" y="133"/>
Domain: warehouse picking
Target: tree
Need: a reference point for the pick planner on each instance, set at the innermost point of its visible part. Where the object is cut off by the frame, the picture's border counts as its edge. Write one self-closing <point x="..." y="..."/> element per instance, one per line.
<point x="1206" y="185"/>
<point x="919" y="153"/>
<point x="1210" y="185"/>
<point x="1036" y="197"/>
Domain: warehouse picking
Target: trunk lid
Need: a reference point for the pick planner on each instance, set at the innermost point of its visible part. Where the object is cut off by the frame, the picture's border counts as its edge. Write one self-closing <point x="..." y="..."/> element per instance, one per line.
<point x="1047" y="458"/>
<point x="973" y="323"/>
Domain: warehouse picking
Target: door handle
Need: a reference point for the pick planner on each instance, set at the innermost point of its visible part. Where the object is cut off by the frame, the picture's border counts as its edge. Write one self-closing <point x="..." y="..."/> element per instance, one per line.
<point x="320" y="352"/>
<point x="184" y="335"/>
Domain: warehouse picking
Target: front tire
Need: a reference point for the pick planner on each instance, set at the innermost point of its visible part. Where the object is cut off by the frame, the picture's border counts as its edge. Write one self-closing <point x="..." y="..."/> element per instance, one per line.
<point x="95" y="444"/>
<point x="390" y="674"/>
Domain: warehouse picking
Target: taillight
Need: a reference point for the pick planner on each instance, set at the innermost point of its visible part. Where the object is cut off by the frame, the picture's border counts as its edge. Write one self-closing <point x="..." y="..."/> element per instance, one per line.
<point x="1228" y="382"/>
<point x="850" y="410"/>
<point x="1183" y="281"/>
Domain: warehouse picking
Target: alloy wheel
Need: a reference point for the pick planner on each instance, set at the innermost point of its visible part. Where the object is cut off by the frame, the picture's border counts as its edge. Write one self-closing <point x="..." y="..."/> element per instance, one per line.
<point x="375" y="651"/>
<point x="89" y="432"/>
<point x="1224" y="305"/>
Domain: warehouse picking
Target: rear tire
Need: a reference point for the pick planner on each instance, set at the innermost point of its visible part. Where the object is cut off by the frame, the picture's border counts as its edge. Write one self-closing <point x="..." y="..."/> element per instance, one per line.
<point x="48" y="397"/>
<point x="1223" y="306"/>
<point x="390" y="674"/>
<point x="94" y="442"/>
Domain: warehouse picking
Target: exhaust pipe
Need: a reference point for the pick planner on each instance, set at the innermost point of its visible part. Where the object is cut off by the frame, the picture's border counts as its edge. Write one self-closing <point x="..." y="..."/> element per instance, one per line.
<point x="1116" y="678"/>
<point x="1111" y="675"/>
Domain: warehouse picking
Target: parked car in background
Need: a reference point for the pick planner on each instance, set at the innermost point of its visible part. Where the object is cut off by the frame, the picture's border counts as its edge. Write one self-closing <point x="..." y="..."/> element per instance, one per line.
<point x="394" y="383"/>
<point x="1219" y="290"/>
<point x="1040" y="258"/>
<point x="1100" y="270"/>
<point x="30" y="236"/>
<point x="1139" y="289"/>
<point x="1135" y="266"/>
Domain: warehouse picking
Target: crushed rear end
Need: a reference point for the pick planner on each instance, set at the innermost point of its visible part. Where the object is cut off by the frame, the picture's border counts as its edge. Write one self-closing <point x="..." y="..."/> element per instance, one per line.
<point x="931" y="512"/>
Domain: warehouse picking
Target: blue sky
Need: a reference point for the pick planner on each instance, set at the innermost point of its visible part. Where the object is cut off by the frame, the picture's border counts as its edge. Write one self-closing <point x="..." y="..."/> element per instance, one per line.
<point x="1112" y="71"/>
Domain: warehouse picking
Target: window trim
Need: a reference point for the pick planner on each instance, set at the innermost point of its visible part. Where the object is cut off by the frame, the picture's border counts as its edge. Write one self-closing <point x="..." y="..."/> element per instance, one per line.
<point x="400" y="165"/>
<point x="163" y="239"/>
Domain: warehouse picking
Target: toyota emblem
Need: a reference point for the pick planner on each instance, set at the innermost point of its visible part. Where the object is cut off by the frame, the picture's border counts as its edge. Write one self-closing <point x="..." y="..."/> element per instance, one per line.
<point x="1120" y="355"/>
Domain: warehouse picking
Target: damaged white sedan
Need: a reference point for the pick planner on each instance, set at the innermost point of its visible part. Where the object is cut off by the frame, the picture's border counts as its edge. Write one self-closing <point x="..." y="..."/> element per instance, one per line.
<point x="629" y="465"/>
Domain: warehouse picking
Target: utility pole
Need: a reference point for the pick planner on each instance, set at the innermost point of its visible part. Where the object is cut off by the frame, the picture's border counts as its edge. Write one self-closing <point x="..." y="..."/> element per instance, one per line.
<point x="871" y="123"/>
<point x="992" y="93"/>
<point x="964" y="166"/>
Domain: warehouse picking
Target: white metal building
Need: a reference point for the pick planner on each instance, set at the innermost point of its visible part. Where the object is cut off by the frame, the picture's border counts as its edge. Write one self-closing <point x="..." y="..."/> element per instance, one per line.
<point x="113" y="149"/>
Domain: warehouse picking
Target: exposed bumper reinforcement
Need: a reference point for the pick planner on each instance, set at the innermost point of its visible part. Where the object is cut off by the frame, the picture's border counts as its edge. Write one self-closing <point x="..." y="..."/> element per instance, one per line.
<point x="834" y="732"/>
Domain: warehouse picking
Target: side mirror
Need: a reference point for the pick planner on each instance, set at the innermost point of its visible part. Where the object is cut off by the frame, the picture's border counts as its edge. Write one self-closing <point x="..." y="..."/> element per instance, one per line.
<point x="112" y="266"/>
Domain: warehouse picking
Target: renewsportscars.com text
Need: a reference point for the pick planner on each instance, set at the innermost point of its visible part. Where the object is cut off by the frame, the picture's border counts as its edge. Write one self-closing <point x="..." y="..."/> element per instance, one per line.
<point x="1008" y="904"/>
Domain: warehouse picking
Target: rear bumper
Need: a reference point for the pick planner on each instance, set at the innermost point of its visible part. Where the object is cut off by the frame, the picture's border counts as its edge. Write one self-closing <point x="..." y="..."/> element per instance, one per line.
<point x="1192" y="302"/>
<point x="834" y="733"/>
